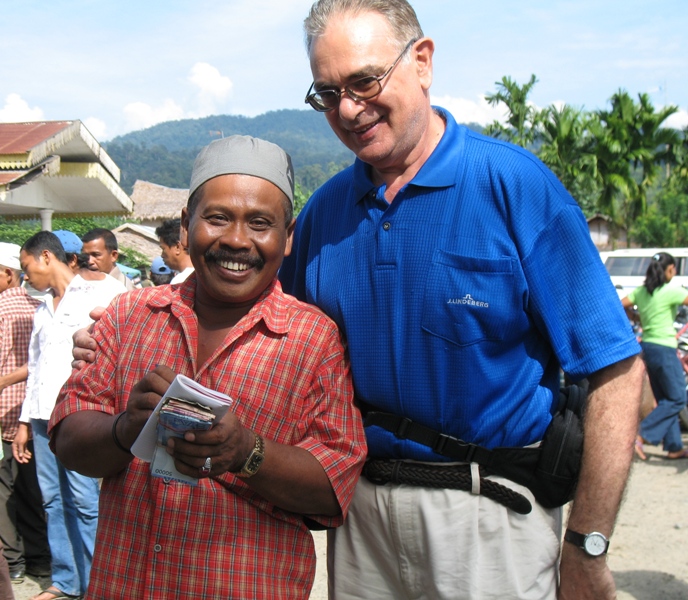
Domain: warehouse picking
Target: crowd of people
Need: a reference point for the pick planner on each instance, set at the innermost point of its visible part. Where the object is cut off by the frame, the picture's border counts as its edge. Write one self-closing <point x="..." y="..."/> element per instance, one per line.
<point x="48" y="514"/>
<point x="384" y="353"/>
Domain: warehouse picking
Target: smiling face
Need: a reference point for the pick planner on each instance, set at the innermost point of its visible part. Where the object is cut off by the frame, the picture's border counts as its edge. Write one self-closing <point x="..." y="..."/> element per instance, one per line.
<point x="237" y="237"/>
<point x="388" y="131"/>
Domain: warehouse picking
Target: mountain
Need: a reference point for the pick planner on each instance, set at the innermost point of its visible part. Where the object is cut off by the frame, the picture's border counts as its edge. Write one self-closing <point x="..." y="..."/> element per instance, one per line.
<point x="164" y="153"/>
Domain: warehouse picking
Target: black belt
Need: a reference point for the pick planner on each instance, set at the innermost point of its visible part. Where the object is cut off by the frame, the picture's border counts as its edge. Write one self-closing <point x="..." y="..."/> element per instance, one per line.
<point x="440" y="443"/>
<point x="456" y="477"/>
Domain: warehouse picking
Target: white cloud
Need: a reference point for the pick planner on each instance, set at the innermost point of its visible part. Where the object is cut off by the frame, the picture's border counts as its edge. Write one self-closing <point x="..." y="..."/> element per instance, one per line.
<point x="469" y="111"/>
<point x="214" y="88"/>
<point x="140" y="115"/>
<point x="16" y="110"/>
<point x="209" y="80"/>
<point x="678" y="120"/>
<point x="97" y="128"/>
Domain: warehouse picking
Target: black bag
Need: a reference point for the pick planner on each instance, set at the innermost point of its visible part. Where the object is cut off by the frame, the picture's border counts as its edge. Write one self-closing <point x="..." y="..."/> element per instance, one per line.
<point x="550" y="471"/>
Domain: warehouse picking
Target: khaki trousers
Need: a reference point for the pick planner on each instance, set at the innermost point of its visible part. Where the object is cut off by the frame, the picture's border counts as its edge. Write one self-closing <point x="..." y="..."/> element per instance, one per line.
<point x="402" y="542"/>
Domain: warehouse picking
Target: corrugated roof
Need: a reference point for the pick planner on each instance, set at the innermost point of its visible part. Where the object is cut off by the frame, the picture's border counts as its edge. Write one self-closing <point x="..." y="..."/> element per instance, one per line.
<point x="20" y="138"/>
<point x="23" y="145"/>
<point x="57" y="165"/>
<point x="10" y="176"/>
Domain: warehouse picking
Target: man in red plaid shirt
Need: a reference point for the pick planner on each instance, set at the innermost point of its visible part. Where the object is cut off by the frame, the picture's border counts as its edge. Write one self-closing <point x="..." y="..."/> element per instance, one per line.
<point x="22" y="520"/>
<point x="288" y="453"/>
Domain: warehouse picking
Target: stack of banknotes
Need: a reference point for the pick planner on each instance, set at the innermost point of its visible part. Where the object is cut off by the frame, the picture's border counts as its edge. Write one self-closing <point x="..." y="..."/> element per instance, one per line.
<point x="176" y="417"/>
<point x="187" y="405"/>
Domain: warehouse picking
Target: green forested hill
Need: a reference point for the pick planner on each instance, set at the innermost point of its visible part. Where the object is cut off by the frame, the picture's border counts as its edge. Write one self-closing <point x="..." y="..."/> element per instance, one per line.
<point x="164" y="153"/>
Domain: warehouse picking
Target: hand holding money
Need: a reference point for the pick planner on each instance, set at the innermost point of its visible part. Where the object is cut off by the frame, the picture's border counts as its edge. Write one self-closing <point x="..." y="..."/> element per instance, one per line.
<point x="143" y="399"/>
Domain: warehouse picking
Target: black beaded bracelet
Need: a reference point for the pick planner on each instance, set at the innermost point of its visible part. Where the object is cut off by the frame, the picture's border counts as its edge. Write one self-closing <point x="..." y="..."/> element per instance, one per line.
<point x="114" y="434"/>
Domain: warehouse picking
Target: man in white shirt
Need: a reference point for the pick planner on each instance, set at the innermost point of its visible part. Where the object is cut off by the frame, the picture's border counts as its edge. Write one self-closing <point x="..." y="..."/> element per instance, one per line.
<point x="175" y="256"/>
<point x="70" y="499"/>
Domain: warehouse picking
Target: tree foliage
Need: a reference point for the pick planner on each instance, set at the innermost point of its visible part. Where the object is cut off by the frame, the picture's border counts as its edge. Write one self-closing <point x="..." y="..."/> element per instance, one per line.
<point x="17" y="232"/>
<point x="612" y="161"/>
<point x="522" y="117"/>
<point x="164" y="153"/>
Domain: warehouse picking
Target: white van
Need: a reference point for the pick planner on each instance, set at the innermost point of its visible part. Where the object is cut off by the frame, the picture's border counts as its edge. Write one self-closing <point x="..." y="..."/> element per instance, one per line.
<point x="627" y="267"/>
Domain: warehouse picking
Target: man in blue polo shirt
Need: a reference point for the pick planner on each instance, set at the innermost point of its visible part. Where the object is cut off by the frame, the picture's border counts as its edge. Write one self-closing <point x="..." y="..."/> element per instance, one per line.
<point x="463" y="276"/>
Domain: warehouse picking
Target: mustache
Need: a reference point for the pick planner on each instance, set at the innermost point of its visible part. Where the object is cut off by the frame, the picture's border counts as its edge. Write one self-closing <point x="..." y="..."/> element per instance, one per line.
<point x="255" y="262"/>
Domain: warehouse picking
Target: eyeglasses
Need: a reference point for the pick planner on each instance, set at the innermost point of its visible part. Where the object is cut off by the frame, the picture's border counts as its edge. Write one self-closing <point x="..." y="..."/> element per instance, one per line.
<point x="361" y="89"/>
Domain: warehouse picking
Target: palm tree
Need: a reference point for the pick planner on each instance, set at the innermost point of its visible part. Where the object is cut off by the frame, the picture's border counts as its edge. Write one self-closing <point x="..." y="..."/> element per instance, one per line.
<point x="654" y="144"/>
<point x="568" y="150"/>
<point x="630" y="139"/>
<point x="521" y="118"/>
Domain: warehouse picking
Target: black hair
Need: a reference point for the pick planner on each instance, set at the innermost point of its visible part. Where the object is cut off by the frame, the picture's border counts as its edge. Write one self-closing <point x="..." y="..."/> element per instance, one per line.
<point x="107" y="236"/>
<point x="83" y="260"/>
<point x="168" y="232"/>
<point x="161" y="278"/>
<point x="45" y="240"/>
<point x="655" y="276"/>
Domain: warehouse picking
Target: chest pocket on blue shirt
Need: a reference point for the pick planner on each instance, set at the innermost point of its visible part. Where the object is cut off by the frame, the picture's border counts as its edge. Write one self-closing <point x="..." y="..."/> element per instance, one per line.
<point x="469" y="300"/>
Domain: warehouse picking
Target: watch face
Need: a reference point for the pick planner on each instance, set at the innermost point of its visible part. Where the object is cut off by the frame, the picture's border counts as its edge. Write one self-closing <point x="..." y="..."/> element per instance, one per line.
<point x="595" y="544"/>
<point x="254" y="463"/>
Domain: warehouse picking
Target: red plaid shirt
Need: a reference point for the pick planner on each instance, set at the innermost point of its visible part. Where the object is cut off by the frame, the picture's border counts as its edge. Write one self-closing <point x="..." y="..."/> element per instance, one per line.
<point x="285" y="367"/>
<point x="16" y="322"/>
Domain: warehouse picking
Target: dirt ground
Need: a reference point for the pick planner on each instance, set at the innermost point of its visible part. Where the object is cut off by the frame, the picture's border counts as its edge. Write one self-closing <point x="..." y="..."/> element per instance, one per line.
<point x="649" y="549"/>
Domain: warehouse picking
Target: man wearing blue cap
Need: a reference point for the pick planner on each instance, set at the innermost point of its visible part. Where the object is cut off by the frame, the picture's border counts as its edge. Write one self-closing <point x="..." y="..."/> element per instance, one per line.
<point x="72" y="245"/>
<point x="70" y="499"/>
<point x="160" y="272"/>
<point x="288" y="452"/>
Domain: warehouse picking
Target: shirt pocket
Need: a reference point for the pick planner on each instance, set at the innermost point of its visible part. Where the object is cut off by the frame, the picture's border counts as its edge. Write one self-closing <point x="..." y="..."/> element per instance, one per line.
<point x="469" y="300"/>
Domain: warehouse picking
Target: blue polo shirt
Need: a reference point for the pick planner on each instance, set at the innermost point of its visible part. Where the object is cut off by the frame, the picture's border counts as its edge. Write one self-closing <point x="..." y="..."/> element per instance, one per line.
<point x="460" y="299"/>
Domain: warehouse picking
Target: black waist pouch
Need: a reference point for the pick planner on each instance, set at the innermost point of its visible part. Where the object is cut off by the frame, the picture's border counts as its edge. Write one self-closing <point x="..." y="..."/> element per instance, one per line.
<point x="550" y="471"/>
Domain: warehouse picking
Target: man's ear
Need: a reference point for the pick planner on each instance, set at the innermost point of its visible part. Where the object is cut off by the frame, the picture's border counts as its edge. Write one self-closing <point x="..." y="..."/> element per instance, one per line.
<point x="290" y="237"/>
<point x="422" y="55"/>
<point x="8" y="274"/>
<point x="184" y="229"/>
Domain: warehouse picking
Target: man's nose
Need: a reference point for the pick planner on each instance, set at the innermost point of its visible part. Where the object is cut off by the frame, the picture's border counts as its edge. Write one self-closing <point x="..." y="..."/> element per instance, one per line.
<point x="236" y="235"/>
<point x="349" y="109"/>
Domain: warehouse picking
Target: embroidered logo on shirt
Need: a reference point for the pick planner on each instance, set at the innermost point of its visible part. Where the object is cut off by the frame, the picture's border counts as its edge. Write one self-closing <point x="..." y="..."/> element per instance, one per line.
<point x="468" y="300"/>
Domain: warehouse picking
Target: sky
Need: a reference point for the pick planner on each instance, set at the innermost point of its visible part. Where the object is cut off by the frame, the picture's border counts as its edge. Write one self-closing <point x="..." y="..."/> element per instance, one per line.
<point x="125" y="65"/>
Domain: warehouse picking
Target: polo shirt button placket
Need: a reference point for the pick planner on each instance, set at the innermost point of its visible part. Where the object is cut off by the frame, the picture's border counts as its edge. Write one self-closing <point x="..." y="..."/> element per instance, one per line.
<point x="386" y="226"/>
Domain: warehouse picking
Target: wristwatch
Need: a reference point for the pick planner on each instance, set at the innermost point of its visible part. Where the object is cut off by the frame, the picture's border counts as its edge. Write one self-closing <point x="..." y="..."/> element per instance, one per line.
<point x="593" y="544"/>
<point x="254" y="460"/>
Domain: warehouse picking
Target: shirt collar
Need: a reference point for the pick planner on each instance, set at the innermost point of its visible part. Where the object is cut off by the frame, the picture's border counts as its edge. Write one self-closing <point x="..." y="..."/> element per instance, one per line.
<point x="271" y="307"/>
<point x="437" y="172"/>
<point x="15" y="291"/>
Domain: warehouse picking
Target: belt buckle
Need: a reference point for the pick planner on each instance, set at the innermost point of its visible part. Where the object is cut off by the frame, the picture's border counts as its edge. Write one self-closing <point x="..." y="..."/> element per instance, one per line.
<point x="402" y="428"/>
<point x="458" y="450"/>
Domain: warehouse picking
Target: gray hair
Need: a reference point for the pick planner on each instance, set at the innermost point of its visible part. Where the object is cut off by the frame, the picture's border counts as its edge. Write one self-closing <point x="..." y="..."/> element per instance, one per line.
<point x="399" y="14"/>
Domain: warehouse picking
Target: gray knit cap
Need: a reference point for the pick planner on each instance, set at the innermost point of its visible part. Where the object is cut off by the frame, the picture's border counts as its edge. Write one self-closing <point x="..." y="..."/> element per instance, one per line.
<point x="244" y="155"/>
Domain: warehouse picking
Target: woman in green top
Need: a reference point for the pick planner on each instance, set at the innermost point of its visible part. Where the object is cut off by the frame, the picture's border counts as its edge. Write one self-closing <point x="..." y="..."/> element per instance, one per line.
<point x="657" y="304"/>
